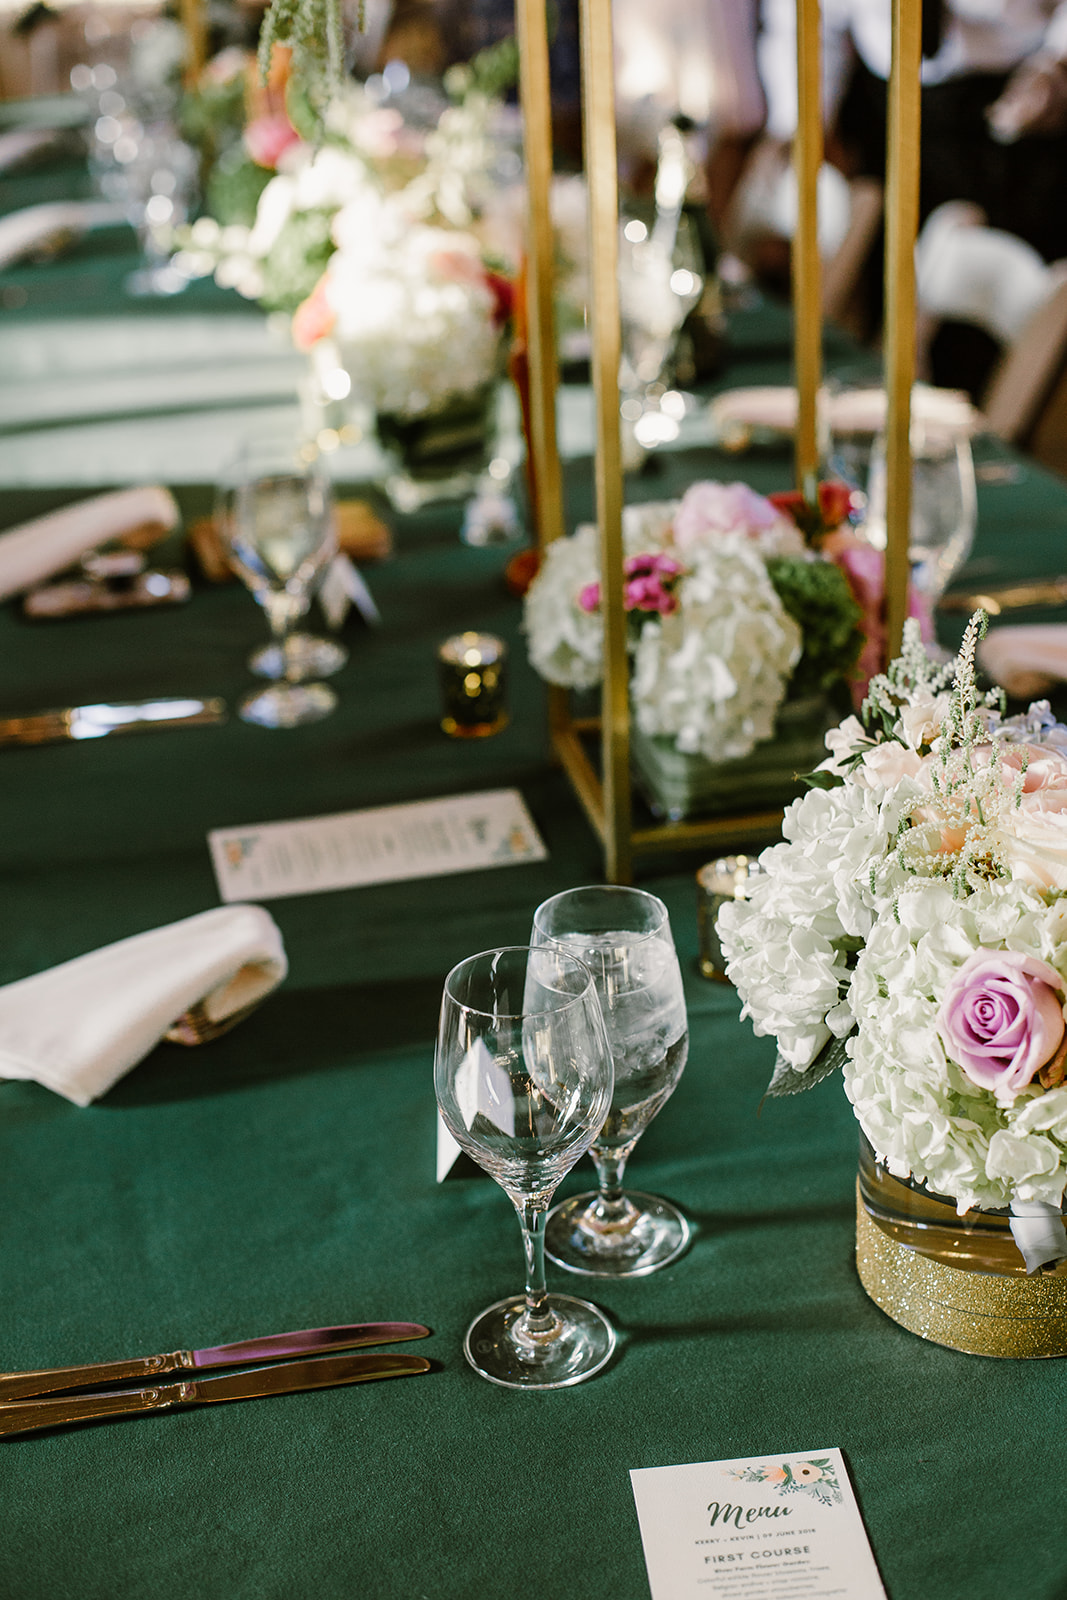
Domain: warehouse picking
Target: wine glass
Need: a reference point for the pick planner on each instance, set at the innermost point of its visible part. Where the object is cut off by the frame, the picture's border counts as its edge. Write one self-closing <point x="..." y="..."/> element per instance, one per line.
<point x="280" y="533"/>
<point x="623" y="935"/>
<point x="523" y="1078"/>
<point x="944" y="506"/>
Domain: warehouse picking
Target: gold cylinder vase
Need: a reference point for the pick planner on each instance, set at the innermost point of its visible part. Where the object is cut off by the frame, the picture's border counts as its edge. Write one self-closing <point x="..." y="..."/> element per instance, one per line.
<point x="958" y="1281"/>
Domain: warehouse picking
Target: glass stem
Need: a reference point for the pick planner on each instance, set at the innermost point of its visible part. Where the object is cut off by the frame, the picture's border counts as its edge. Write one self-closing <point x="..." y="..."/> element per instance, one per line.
<point x="283" y="611"/>
<point x="611" y="1207"/>
<point x="538" y="1322"/>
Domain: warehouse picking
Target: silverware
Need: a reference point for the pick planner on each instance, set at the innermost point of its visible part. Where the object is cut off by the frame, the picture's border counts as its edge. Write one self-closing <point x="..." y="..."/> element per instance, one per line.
<point x="97" y="721"/>
<point x="273" y="1347"/>
<point x="1008" y="597"/>
<point x="29" y="1416"/>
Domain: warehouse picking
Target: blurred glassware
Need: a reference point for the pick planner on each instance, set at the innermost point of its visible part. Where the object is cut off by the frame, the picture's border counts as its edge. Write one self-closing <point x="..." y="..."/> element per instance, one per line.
<point x="661" y="279"/>
<point x="280" y="534"/>
<point x="944" y="506"/>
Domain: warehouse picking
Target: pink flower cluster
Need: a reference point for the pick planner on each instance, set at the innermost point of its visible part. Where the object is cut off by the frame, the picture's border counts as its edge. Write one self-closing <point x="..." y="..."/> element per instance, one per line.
<point x="650" y="584"/>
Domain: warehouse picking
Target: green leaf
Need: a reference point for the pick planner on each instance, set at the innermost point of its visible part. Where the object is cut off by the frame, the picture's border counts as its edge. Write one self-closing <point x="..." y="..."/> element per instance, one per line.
<point x="823" y="780"/>
<point x="787" y="1080"/>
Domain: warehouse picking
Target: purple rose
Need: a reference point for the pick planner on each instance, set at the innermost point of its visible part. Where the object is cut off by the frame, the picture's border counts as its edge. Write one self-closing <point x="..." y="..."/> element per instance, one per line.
<point x="1002" y="1018"/>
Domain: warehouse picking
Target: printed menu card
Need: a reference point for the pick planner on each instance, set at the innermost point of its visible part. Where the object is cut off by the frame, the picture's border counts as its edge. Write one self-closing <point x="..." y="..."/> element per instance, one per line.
<point x="385" y="844"/>
<point x="769" y="1528"/>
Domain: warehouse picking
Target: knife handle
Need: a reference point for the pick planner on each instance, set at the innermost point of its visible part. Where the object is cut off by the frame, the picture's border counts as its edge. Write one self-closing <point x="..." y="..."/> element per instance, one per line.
<point x="51" y="1380"/>
<point x="28" y="1416"/>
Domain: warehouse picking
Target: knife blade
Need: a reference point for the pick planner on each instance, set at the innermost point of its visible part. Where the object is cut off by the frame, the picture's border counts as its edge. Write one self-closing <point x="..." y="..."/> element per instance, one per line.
<point x="273" y="1347"/>
<point x="291" y="1377"/>
<point x="97" y="721"/>
<point x="1001" y="597"/>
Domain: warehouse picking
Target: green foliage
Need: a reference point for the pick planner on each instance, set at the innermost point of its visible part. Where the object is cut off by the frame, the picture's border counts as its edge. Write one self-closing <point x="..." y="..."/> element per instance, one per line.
<point x="297" y="260"/>
<point x="314" y="31"/>
<point x="212" y="115"/>
<point x="817" y="596"/>
<point x="787" y="1080"/>
<point x="491" y="72"/>
<point x="234" y="187"/>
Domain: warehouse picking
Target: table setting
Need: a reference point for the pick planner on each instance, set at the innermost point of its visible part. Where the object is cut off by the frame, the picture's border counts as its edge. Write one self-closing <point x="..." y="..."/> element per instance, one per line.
<point x="242" y="1132"/>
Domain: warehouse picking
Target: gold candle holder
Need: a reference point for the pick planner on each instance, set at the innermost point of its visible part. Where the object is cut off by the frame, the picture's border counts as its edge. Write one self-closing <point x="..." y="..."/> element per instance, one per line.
<point x="728" y="878"/>
<point x="472" y="673"/>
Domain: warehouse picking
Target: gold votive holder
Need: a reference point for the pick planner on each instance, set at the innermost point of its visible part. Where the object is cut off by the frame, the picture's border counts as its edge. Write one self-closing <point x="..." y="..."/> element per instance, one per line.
<point x="472" y="667"/>
<point x="728" y="878"/>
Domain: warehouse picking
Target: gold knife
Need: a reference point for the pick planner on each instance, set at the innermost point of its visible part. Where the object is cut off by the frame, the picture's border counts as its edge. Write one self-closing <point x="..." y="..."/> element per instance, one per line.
<point x="97" y="721"/>
<point x="291" y="1377"/>
<point x="1008" y="597"/>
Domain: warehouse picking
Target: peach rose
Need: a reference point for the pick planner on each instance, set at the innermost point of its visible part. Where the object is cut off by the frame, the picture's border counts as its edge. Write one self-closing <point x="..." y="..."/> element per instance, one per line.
<point x="314" y="318"/>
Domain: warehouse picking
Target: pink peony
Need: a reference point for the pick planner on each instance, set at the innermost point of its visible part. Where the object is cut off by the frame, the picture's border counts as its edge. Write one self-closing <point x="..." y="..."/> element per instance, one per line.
<point x="268" y="137"/>
<point x="709" y="509"/>
<point x="1002" y="1018"/>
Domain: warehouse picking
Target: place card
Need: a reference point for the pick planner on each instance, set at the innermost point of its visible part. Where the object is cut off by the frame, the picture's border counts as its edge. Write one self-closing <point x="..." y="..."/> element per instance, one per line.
<point x="767" y="1528"/>
<point x="384" y="844"/>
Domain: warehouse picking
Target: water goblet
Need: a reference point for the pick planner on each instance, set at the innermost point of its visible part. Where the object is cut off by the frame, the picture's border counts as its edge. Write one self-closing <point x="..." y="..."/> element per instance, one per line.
<point x="523" y="1076"/>
<point x="623" y="935"/>
<point x="280" y="534"/>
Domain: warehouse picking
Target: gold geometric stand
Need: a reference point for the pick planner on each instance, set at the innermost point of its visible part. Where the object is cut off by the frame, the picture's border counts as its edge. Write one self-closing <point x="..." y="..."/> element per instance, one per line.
<point x="980" y="1313"/>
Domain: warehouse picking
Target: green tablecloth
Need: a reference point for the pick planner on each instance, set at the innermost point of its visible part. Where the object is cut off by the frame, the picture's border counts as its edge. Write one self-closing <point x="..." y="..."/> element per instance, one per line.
<point x="284" y="1175"/>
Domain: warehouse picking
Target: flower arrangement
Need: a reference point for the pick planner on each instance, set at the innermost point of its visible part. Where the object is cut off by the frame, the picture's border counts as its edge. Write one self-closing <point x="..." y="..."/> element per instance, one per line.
<point x="912" y="929"/>
<point x="366" y="233"/>
<point x="730" y="612"/>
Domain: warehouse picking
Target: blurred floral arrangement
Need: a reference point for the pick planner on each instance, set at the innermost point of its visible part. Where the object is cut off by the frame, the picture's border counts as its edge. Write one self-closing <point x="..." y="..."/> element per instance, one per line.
<point x="912" y="929"/>
<point x="374" y="235"/>
<point x="730" y="609"/>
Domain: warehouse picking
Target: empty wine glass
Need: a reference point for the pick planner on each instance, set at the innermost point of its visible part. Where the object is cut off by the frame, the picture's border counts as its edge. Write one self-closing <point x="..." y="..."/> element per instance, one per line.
<point x="523" y="1078"/>
<point x="944" y="506"/>
<point x="623" y="935"/>
<point x="280" y="533"/>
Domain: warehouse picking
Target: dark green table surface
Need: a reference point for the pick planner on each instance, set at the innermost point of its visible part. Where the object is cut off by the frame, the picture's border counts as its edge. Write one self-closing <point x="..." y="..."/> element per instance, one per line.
<point x="284" y="1176"/>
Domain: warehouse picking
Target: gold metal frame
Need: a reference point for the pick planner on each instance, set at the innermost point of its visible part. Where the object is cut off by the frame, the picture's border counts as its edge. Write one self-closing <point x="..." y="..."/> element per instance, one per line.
<point x="606" y="796"/>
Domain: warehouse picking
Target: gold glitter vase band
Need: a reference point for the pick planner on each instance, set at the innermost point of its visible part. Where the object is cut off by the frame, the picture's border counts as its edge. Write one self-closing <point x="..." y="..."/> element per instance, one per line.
<point x="980" y="1313"/>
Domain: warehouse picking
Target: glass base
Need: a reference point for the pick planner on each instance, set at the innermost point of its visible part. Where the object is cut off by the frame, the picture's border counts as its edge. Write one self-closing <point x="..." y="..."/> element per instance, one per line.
<point x="583" y="1346"/>
<point x="652" y="1235"/>
<point x="306" y="656"/>
<point x="287" y="705"/>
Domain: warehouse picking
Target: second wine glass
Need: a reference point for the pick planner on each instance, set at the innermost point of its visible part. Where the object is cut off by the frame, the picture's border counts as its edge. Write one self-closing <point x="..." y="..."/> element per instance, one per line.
<point x="623" y="935"/>
<point x="281" y="536"/>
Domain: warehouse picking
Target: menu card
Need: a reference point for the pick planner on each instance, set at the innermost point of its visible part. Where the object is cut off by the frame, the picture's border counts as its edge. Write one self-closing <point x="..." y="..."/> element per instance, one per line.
<point x="769" y="1528"/>
<point x="384" y="844"/>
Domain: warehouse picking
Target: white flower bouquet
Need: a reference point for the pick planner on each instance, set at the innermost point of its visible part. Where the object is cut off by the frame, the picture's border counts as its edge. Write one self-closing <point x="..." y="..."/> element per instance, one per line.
<point x="730" y="612"/>
<point x="912" y="929"/>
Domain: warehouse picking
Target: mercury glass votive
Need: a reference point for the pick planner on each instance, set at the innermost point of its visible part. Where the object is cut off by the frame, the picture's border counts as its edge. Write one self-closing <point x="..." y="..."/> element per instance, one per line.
<point x="472" y="672"/>
<point x="728" y="878"/>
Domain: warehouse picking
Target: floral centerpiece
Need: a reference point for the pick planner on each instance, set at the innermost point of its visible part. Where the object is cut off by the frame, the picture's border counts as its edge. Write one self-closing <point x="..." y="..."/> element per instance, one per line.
<point x="733" y="618"/>
<point x="365" y="231"/>
<point x="912" y="930"/>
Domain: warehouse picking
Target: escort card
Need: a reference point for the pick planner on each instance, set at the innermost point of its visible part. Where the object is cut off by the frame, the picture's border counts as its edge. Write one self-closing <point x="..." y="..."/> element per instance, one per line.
<point x="425" y="839"/>
<point x="770" y="1528"/>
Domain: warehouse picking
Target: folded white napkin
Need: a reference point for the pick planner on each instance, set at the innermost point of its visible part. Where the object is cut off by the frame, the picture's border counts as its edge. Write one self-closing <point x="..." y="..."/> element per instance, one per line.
<point x="34" y="550"/>
<point x="22" y="232"/>
<point x="79" y="1027"/>
<point x="1027" y="659"/>
<point x="848" y="411"/>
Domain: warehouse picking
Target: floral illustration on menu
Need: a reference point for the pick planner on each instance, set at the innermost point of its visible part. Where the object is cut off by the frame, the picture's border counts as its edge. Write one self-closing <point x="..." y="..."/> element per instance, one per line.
<point x="815" y="1477"/>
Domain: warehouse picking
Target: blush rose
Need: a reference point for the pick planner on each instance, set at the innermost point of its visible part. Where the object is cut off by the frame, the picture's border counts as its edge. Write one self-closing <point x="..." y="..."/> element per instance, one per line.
<point x="1002" y="1018"/>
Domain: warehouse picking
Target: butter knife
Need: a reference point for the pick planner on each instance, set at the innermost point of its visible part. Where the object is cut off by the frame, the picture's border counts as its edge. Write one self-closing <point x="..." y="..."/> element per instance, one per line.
<point x="1008" y="597"/>
<point x="29" y="1416"/>
<point x="273" y="1347"/>
<point x="96" y="721"/>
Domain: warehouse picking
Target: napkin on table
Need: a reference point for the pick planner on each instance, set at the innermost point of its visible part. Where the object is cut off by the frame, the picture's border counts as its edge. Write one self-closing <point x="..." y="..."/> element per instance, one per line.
<point x="35" y="550"/>
<point x="35" y="227"/>
<point x="1026" y="660"/>
<point x="77" y="1028"/>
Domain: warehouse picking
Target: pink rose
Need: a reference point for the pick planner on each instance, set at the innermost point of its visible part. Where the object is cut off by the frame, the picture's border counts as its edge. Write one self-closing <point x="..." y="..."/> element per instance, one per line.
<point x="589" y="598"/>
<point x="268" y="137"/>
<point x="314" y="317"/>
<point x="1002" y="1018"/>
<point x="709" y="509"/>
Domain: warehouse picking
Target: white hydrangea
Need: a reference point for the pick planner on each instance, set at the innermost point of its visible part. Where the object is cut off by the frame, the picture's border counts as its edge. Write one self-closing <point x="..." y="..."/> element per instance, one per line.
<point x="712" y="675"/>
<point x="922" y="1115"/>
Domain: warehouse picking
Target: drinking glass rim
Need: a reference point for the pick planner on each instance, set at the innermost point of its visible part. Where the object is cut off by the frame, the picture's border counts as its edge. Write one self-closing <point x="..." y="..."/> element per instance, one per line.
<point x="527" y="950"/>
<point x="634" y="935"/>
